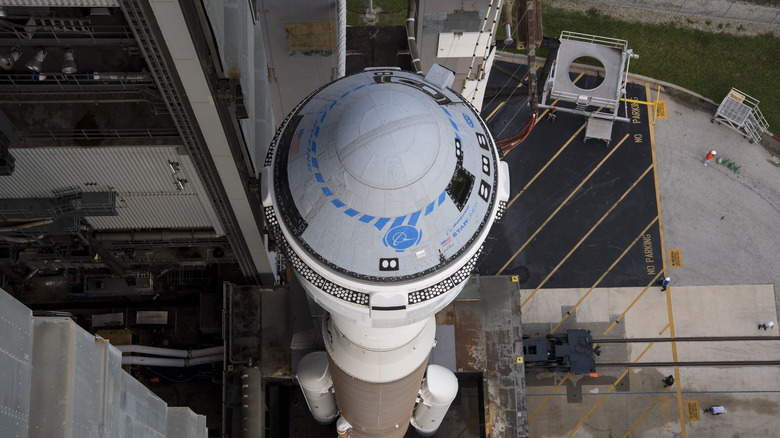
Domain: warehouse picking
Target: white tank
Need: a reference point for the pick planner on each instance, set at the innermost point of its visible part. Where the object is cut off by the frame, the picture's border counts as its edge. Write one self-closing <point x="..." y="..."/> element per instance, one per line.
<point x="314" y="377"/>
<point x="438" y="391"/>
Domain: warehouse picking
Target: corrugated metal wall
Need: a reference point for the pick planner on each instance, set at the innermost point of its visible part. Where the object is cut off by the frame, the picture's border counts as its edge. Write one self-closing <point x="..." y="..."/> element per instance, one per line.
<point x="148" y="195"/>
<point x="71" y="3"/>
<point x="61" y="381"/>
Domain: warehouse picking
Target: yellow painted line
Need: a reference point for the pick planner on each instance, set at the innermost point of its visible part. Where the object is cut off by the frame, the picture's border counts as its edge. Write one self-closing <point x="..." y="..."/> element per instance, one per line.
<point x="647" y="93"/>
<point x="650" y="345"/>
<point x="644" y="102"/>
<point x="494" y="111"/>
<point x="660" y="396"/>
<point x="549" y="218"/>
<point x="545" y="166"/>
<point x="593" y="228"/>
<point x="545" y="111"/>
<point x="644" y="351"/>
<point x="465" y="428"/>
<point x="519" y="85"/>
<point x="597" y="404"/>
<point x="665" y="264"/>
<point x="548" y="396"/>
<point x="545" y="223"/>
<point x="556" y="100"/>
<point x="633" y="302"/>
<point x="614" y="386"/>
<point x="605" y="273"/>
<point x="675" y="258"/>
<point x="574" y="81"/>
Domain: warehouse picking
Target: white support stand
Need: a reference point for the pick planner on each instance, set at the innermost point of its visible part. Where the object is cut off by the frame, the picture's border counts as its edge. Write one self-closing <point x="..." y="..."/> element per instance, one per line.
<point x="602" y="103"/>
<point x="740" y="112"/>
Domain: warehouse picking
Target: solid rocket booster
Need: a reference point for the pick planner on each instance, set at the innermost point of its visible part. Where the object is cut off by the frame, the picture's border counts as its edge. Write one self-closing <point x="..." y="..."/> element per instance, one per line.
<point x="380" y="188"/>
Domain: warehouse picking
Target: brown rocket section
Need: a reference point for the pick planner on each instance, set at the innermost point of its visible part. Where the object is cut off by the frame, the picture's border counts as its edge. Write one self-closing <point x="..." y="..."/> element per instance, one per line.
<point x="376" y="410"/>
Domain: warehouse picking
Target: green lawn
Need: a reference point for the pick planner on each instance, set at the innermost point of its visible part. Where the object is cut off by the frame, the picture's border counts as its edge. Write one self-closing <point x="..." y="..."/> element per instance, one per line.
<point x="704" y="62"/>
<point x="391" y="12"/>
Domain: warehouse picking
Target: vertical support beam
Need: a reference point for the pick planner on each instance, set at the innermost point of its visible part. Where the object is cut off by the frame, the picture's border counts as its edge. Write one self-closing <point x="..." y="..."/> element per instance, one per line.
<point x="530" y="15"/>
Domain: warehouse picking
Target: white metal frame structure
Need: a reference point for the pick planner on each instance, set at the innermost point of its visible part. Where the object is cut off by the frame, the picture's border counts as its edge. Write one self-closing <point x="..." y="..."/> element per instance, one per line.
<point x="740" y="112"/>
<point x="615" y="56"/>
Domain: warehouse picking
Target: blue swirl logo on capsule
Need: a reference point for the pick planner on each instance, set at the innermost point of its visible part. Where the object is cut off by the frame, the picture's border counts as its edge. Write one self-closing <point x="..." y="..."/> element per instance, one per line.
<point x="402" y="237"/>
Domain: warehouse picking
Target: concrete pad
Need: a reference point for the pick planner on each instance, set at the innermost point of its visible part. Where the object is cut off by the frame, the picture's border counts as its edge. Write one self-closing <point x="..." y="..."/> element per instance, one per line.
<point x="750" y="393"/>
<point x="710" y="311"/>
<point x="723" y="222"/>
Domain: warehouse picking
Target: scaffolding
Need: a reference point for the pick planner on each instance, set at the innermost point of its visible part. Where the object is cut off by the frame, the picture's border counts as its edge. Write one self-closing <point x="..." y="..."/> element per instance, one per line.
<point x="601" y="103"/>
<point x="740" y="112"/>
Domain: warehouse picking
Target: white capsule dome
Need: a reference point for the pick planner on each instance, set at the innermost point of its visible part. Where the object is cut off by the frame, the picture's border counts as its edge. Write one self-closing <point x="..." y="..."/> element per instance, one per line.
<point x="382" y="187"/>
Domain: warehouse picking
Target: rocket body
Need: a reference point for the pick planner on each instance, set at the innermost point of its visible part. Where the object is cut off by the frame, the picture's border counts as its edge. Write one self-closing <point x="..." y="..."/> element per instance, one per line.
<point x="381" y="188"/>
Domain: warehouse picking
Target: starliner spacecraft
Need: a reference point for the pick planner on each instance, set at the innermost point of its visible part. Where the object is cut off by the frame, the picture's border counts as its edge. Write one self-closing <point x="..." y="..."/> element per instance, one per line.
<point x="380" y="189"/>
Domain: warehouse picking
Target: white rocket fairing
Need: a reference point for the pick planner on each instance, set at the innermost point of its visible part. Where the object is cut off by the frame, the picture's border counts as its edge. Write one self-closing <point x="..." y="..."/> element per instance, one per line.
<point x="381" y="188"/>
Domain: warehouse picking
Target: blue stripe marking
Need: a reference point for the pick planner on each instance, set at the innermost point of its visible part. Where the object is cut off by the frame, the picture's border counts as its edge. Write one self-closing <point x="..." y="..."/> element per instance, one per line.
<point x="413" y="218"/>
<point x="398" y="221"/>
<point x="361" y="86"/>
<point x="314" y="147"/>
<point x="442" y="197"/>
<point x="351" y="212"/>
<point x="454" y="125"/>
<point x="317" y="132"/>
<point x="327" y="191"/>
<point x="338" y="203"/>
<point x="314" y="163"/>
<point x="323" y="116"/>
<point x="382" y="222"/>
<point x="344" y="95"/>
<point x="319" y="178"/>
<point x="366" y="218"/>
<point x="429" y="208"/>
<point x="333" y="104"/>
<point x="445" y="110"/>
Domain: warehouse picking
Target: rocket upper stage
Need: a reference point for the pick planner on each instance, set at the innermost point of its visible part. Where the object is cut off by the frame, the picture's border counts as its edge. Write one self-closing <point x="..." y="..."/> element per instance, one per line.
<point x="382" y="187"/>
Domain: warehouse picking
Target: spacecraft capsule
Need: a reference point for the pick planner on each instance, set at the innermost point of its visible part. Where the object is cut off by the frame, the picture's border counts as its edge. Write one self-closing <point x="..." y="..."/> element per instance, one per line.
<point x="381" y="188"/>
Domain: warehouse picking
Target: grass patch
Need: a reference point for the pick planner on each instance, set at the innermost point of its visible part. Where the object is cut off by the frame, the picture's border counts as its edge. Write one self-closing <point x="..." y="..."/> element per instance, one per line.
<point x="391" y="12"/>
<point x="703" y="62"/>
<point x="774" y="3"/>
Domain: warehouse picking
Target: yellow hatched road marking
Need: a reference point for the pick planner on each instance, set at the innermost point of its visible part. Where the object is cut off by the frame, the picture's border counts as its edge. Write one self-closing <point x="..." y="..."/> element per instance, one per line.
<point x="465" y="428"/>
<point x="660" y="396"/>
<point x="549" y="218"/>
<point x="549" y="395"/>
<point x="545" y="166"/>
<point x="593" y="228"/>
<point x="632" y="303"/>
<point x="614" y="385"/>
<point x="604" y="274"/>
<point x="541" y="116"/>
<point x="494" y="111"/>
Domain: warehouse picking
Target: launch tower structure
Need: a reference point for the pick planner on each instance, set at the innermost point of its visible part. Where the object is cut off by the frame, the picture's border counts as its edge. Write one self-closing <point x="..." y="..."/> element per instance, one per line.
<point x="381" y="188"/>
